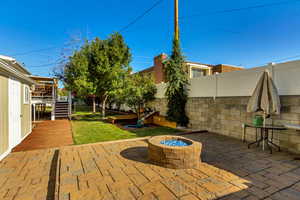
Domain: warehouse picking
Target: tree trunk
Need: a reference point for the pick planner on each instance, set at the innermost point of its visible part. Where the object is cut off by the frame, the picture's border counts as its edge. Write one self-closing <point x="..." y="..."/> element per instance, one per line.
<point x="103" y="106"/>
<point x="139" y="112"/>
<point x="118" y="107"/>
<point x="94" y="104"/>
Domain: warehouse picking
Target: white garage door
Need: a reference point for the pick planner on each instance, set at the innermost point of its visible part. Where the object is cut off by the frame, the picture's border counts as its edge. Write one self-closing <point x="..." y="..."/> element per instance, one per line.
<point x="14" y="107"/>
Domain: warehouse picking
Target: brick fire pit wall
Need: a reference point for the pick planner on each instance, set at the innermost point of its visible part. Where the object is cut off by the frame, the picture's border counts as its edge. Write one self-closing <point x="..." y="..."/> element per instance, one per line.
<point x="176" y="157"/>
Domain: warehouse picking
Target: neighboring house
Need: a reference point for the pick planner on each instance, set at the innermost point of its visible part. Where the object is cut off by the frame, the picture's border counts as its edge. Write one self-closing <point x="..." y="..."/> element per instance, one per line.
<point x="194" y="69"/>
<point x="45" y="96"/>
<point x="45" y="90"/>
<point x="15" y="104"/>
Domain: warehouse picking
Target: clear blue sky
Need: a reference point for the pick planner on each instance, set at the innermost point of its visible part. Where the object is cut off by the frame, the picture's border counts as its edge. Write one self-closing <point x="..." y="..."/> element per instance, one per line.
<point x="249" y="37"/>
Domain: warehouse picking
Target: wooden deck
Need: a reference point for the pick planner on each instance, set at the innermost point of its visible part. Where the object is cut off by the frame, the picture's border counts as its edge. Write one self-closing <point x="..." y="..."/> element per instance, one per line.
<point x="47" y="134"/>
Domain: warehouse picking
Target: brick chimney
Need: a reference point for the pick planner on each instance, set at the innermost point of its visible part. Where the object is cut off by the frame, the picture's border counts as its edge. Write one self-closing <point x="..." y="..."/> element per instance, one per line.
<point x="159" y="68"/>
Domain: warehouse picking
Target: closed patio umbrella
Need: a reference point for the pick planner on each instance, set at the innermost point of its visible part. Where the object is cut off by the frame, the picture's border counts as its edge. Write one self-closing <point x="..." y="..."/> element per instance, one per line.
<point x="265" y="97"/>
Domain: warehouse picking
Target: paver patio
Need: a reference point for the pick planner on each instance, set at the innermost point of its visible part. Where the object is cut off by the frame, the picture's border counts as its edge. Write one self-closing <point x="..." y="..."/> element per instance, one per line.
<point x="119" y="170"/>
<point x="47" y="134"/>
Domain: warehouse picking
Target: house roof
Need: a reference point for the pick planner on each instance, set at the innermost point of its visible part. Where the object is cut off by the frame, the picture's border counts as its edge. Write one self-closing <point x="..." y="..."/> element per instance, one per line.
<point x="197" y="63"/>
<point x="149" y="69"/>
<point x="239" y="67"/>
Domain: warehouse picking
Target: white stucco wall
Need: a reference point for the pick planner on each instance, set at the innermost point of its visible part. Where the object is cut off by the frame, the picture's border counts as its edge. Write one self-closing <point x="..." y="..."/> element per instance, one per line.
<point x="203" y="86"/>
<point x="287" y="78"/>
<point x="242" y="83"/>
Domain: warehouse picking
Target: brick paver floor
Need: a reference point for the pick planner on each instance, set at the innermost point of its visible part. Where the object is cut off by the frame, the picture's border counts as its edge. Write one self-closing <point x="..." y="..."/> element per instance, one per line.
<point x="47" y="134"/>
<point x="120" y="170"/>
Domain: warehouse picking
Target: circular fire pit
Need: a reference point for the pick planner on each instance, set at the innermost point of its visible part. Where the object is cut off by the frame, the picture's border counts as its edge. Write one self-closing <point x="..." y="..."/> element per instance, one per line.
<point x="174" y="152"/>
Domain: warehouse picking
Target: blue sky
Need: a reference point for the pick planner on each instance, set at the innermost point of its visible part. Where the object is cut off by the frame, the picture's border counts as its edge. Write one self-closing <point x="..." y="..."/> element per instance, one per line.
<point x="249" y="38"/>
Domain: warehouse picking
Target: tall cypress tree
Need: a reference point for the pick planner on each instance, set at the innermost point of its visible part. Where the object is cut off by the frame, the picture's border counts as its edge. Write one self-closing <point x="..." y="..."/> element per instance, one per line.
<point x="177" y="94"/>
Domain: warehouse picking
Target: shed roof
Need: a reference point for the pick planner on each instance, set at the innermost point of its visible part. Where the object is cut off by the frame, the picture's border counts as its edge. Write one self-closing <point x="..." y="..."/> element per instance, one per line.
<point x="12" y="62"/>
<point x="11" y="67"/>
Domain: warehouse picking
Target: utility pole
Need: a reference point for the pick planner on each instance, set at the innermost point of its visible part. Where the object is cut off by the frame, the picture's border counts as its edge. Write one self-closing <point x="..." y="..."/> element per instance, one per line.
<point x="176" y="21"/>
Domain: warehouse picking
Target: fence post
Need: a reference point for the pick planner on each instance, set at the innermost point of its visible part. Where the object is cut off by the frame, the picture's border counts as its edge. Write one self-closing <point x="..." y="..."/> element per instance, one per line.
<point x="34" y="112"/>
<point x="271" y="68"/>
<point x="216" y="92"/>
<point x="70" y="103"/>
<point x="53" y="102"/>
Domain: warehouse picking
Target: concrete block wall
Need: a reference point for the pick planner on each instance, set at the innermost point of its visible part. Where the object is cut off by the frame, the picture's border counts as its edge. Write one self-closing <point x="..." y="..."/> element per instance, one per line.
<point x="225" y="115"/>
<point x="218" y="103"/>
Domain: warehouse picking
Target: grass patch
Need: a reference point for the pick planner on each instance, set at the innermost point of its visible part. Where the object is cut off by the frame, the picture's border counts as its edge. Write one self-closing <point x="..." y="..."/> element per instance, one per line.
<point x="83" y="115"/>
<point x="90" y="128"/>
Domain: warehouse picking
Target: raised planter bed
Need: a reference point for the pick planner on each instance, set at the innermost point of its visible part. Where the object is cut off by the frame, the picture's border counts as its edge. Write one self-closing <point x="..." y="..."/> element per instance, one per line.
<point x="162" y="121"/>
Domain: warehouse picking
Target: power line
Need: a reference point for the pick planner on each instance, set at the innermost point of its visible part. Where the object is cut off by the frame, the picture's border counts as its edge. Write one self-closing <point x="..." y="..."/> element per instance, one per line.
<point x="141" y="16"/>
<point x="154" y="6"/>
<point x="216" y="12"/>
<point x="44" y="65"/>
<point x="280" y="59"/>
<point x="61" y="62"/>
<point x="287" y="58"/>
<point x="158" y="3"/>
<point x="241" y="9"/>
<point x="35" y="51"/>
<point x="49" y="48"/>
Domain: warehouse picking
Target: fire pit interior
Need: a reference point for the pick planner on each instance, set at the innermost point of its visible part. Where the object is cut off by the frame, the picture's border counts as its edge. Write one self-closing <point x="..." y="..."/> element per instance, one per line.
<point x="174" y="152"/>
<point x="175" y="143"/>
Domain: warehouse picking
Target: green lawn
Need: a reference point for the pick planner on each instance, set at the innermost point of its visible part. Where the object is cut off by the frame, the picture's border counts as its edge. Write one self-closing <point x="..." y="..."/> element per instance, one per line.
<point x="90" y="128"/>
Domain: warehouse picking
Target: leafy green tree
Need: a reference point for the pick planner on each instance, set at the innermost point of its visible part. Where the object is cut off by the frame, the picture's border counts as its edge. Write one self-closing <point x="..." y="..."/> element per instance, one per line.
<point x="76" y="75"/>
<point x="140" y="90"/>
<point x="62" y="92"/>
<point x="177" y="94"/>
<point x="118" y="96"/>
<point x="108" y="65"/>
<point x="98" y="69"/>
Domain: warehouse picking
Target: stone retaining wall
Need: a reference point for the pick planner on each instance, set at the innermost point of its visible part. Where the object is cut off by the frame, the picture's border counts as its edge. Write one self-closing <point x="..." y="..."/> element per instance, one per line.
<point x="225" y="115"/>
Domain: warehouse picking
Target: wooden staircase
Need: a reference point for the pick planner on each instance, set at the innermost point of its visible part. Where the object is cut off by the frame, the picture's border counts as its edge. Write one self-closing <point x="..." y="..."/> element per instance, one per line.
<point x="61" y="109"/>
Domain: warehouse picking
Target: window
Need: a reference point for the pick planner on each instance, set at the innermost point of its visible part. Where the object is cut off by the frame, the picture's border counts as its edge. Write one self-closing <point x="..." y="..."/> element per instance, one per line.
<point x="198" y="72"/>
<point x="26" y="94"/>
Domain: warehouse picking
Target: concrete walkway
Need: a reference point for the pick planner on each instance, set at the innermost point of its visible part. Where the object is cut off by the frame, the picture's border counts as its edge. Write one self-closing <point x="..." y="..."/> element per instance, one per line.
<point x="120" y="170"/>
<point x="47" y="134"/>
